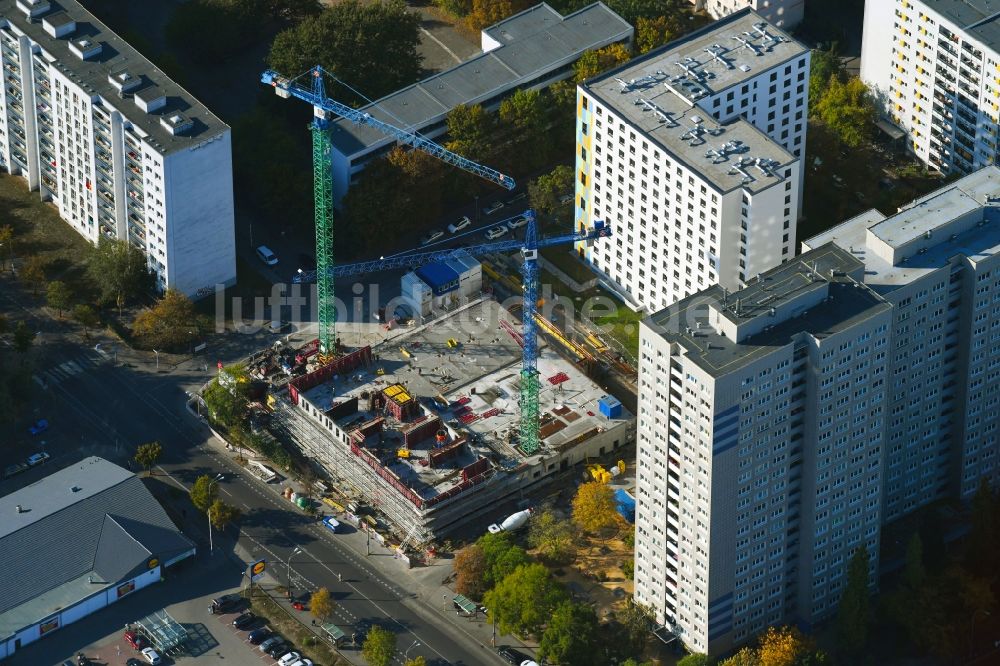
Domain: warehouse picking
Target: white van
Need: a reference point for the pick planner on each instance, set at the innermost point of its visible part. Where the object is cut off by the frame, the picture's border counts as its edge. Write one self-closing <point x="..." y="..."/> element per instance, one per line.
<point x="265" y="255"/>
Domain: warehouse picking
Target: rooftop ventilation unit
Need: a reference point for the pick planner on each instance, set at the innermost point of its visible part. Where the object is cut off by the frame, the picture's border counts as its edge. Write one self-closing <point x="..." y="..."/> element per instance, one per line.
<point x="150" y="99"/>
<point x="124" y="82"/>
<point x="662" y="116"/>
<point x="34" y="8"/>
<point x="742" y="39"/>
<point x="176" y="123"/>
<point x="769" y="40"/>
<point x="59" y="24"/>
<point x="766" y="166"/>
<point x="740" y="167"/>
<point x="717" y="52"/>
<point x="84" y="49"/>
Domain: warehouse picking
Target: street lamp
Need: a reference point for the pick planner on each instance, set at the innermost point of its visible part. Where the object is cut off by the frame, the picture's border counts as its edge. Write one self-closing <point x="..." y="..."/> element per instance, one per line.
<point x="288" y="569"/>
<point x="406" y="653"/>
<point x="157" y="360"/>
<point x="214" y="482"/>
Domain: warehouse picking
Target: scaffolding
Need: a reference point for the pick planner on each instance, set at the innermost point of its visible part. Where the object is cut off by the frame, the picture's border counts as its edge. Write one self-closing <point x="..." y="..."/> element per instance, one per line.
<point x="164" y="632"/>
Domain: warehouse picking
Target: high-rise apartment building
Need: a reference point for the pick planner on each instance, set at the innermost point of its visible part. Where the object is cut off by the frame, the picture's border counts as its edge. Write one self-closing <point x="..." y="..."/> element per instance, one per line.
<point x="760" y="445"/>
<point x="934" y="66"/>
<point x="119" y="149"/>
<point x="783" y="13"/>
<point x="693" y="152"/>
<point x="781" y="425"/>
<point x="938" y="262"/>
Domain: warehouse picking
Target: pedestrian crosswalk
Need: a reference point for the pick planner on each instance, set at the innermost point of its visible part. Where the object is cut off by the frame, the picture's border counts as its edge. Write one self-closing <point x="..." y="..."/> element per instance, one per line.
<point x="64" y="371"/>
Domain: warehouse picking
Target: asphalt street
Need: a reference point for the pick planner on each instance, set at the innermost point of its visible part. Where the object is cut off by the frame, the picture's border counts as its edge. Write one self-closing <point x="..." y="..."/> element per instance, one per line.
<point x="97" y="406"/>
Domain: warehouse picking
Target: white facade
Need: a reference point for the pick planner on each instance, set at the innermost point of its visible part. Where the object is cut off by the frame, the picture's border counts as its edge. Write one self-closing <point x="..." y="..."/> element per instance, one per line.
<point x="938" y="262"/>
<point x="120" y="150"/>
<point x="692" y="154"/>
<point x="936" y="77"/>
<point x="760" y="449"/>
<point x="785" y="14"/>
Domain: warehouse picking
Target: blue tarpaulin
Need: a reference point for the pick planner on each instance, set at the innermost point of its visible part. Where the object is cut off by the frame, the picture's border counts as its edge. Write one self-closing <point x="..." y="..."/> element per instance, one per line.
<point x="625" y="504"/>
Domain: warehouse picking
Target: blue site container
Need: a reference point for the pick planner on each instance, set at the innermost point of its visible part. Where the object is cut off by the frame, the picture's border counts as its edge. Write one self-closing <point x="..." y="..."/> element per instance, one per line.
<point x="610" y="407"/>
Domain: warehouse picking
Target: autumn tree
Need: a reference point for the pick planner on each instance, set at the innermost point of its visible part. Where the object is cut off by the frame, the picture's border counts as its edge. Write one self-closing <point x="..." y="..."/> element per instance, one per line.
<point x="852" y="614"/>
<point x="119" y="270"/>
<point x="572" y="636"/>
<point x="782" y="646"/>
<point x="553" y="537"/>
<point x="848" y="110"/>
<point x="33" y="272"/>
<point x="58" y="296"/>
<point x="484" y="13"/>
<point x="7" y="244"/>
<point x="321" y="604"/>
<point x="147" y="454"/>
<point x="470" y="570"/>
<point x="594" y="507"/>
<point x="545" y="191"/>
<point x="651" y="33"/>
<point x="371" y="46"/>
<point x="204" y="492"/>
<point x="592" y="63"/>
<point x="419" y="660"/>
<point x="745" y="657"/>
<point x="379" y="648"/>
<point x="172" y="324"/>
<point x="524" y="601"/>
<point x="221" y="514"/>
<point x="228" y="396"/>
<point x="86" y="316"/>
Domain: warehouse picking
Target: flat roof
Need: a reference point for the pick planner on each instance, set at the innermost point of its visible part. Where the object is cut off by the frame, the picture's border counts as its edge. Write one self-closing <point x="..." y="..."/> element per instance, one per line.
<point x="545" y="44"/>
<point x="687" y="322"/>
<point x="115" y="55"/>
<point x="961" y="218"/>
<point x="979" y="18"/>
<point x="658" y="94"/>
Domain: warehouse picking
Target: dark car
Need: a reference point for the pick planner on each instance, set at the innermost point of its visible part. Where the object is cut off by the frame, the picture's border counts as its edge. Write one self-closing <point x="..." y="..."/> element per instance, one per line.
<point x="512" y="656"/>
<point x="278" y="649"/>
<point x="258" y="636"/>
<point x="135" y="662"/>
<point x="226" y="604"/>
<point x="361" y="631"/>
<point x="245" y="621"/>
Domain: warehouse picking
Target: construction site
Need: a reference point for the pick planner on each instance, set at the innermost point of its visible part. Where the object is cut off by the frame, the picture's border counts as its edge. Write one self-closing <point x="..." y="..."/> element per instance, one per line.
<point x="423" y="427"/>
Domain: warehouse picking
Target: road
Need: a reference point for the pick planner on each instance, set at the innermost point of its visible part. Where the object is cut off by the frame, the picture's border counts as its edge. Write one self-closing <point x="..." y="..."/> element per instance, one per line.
<point x="98" y="407"/>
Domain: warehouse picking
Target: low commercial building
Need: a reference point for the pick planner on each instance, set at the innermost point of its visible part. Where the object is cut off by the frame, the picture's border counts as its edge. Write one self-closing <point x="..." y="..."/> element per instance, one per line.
<point x="75" y="542"/>
<point x="531" y="49"/>
<point x="443" y="284"/>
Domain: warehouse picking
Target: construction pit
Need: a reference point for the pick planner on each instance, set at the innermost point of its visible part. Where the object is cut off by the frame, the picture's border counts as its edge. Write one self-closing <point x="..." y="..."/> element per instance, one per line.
<point x="423" y="426"/>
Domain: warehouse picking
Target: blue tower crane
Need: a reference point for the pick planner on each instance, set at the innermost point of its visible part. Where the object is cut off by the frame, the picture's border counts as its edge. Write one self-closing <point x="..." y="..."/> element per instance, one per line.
<point x="529" y="247"/>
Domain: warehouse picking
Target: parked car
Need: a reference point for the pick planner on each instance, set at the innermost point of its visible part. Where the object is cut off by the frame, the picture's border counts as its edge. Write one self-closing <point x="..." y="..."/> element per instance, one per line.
<point x="271" y="642"/>
<point x="225" y="604"/>
<point x="303" y="662"/>
<point x="493" y="207"/>
<point x="16" y="468"/>
<point x="245" y="621"/>
<point x="512" y="656"/>
<point x="39" y="426"/>
<point x="517" y="222"/>
<point x="288" y="658"/>
<point x="461" y="224"/>
<point x="135" y="640"/>
<point x="496" y="232"/>
<point x="151" y="656"/>
<point x="266" y="255"/>
<point x="332" y="523"/>
<point x="258" y="636"/>
<point x="529" y="662"/>
<point x="431" y="237"/>
<point x="520" y="196"/>
<point x="37" y="458"/>
<point x="278" y="649"/>
<point x="132" y="662"/>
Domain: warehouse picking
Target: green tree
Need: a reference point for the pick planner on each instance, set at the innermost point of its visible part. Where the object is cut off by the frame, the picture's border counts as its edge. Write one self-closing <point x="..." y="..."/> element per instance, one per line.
<point x="571" y="636"/>
<point x="86" y="316"/>
<point x="379" y="647"/>
<point x="823" y="65"/>
<point x="58" y="296"/>
<point x="221" y="514"/>
<point x="470" y="570"/>
<point x="848" y="111"/>
<point x="852" y="614"/>
<point x="4" y="324"/>
<point x="594" y="507"/>
<point x="147" y="454"/>
<point x="523" y="601"/>
<point x="119" y="270"/>
<point x="471" y="131"/>
<point x="206" y="30"/>
<point x="524" y="110"/>
<point x="381" y="204"/>
<point x="228" y="396"/>
<point x="204" y="492"/>
<point x="23" y="338"/>
<point x="419" y="660"/>
<point x="501" y="555"/>
<point x="170" y="325"/>
<point x="459" y="8"/>
<point x="368" y="45"/>
<point x="321" y="604"/>
<point x="7" y="244"/>
<point x="981" y="547"/>
<point x="651" y="33"/>
<point x="33" y="272"/>
<point x="635" y="620"/>
<point x="633" y="10"/>
<point x="485" y="13"/>
<point x="745" y="657"/>
<point x="696" y="659"/>
<point x="592" y="63"/>
<point x="545" y="191"/>
<point x="632" y="661"/>
<point x="552" y="537"/>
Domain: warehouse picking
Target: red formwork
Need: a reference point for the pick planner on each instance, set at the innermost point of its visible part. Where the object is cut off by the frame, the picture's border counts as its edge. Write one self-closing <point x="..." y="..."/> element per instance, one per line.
<point x="418" y="432"/>
<point x="340" y="366"/>
<point x="446" y="452"/>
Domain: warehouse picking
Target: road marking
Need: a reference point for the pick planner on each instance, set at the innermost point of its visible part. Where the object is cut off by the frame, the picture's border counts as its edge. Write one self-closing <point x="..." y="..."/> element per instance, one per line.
<point x="442" y="45"/>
